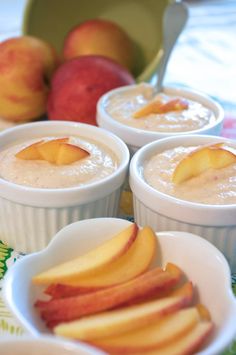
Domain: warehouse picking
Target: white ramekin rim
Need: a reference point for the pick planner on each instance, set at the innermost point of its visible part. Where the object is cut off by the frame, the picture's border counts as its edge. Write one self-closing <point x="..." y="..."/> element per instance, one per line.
<point x="181" y="210"/>
<point x="64" y="197"/>
<point x="139" y="137"/>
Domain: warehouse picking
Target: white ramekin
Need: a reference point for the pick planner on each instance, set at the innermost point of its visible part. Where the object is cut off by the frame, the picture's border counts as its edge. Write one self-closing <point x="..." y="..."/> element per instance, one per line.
<point x="216" y="223"/>
<point x="136" y="138"/>
<point x="45" y="345"/>
<point x="30" y="217"/>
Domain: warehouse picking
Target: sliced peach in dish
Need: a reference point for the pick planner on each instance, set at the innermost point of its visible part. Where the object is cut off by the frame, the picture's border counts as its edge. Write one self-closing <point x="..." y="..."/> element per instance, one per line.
<point x="93" y="260"/>
<point x="203" y="312"/>
<point x="119" y="321"/>
<point x="190" y="343"/>
<point x="214" y="156"/>
<point x="173" y="270"/>
<point x="69" y="153"/>
<point x="133" y="263"/>
<point x="186" y="290"/>
<point x="31" y="152"/>
<point x="49" y="149"/>
<point x="158" y="333"/>
<point x="70" y="308"/>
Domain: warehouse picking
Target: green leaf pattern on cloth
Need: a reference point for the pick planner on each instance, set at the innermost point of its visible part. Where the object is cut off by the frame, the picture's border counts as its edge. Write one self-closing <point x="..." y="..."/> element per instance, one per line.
<point x="9" y="325"/>
<point x="5" y="254"/>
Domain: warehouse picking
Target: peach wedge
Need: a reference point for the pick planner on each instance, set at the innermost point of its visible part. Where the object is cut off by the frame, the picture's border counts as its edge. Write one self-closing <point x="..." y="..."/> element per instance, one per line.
<point x="121" y="320"/>
<point x="153" y="336"/>
<point x="159" y="107"/>
<point x="69" y="153"/>
<point x="133" y="263"/>
<point x="99" y="257"/>
<point x="30" y="152"/>
<point x="214" y="156"/>
<point x="49" y="149"/>
<point x="174" y="105"/>
<point x="56" y="151"/>
<point x="69" y="308"/>
<point x="151" y="107"/>
<point x="190" y="343"/>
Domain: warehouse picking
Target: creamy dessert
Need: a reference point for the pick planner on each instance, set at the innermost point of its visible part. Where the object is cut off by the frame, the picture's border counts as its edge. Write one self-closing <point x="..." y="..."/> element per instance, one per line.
<point x="123" y="106"/>
<point x="81" y="162"/>
<point x="205" y="174"/>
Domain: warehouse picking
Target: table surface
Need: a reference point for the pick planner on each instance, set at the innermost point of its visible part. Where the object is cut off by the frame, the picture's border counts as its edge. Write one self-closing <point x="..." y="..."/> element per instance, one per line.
<point x="204" y="59"/>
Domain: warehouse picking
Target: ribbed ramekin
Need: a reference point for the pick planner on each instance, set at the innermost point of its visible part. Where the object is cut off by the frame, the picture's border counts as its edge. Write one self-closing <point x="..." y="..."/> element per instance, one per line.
<point x="216" y="223"/>
<point x="136" y="138"/>
<point x="30" y="217"/>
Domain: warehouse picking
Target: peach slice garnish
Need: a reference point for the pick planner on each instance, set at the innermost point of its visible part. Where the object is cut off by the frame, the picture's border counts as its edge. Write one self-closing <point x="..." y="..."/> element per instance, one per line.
<point x="49" y="149"/>
<point x="56" y="151"/>
<point x="157" y="106"/>
<point x="151" y="107"/>
<point x="214" y="156"/>
<point x="30" y="153"/>
<point x="69" y="153"/>
<point x="174" y="105"/>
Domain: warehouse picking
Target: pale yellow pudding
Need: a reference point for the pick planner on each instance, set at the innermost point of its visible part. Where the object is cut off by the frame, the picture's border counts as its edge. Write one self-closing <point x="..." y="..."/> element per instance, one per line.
<point x="100" y="163"/>
<point x="212" y="186"/>
<point x="123" y="105"/>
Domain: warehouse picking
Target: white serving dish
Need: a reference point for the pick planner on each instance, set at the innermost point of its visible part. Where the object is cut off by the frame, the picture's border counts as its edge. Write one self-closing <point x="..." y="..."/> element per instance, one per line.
<point x="200" y="260"/>
<point x="30" y="217"/>
<point x="45" y="345"/>
<point x="216" y="223"/>
<point x="136" y="138"/>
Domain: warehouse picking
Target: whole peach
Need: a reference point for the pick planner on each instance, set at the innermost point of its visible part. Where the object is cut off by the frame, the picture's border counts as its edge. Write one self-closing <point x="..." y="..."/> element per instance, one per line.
<point x="99" y="37"/>
<point x="79" y="83"/>
<point x="26" y="65"/>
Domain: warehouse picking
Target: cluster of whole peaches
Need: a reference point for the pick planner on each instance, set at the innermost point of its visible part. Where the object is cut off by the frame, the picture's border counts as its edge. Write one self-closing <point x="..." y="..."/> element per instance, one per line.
<point x="115" y="298"/>
<point x="96" y="57"/>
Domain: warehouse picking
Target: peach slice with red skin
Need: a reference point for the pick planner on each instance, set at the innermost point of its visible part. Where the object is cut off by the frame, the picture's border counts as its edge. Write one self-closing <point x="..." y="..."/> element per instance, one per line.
<point x="133" y="263"/>
<point x="155" y="335"/>
<point x="215" y="156"/>
<point x="95" y="259"/>
<point x="119" y="321"/>
<point x="159" y="107"/>
<point x="70" y="308"/>
<point x="183" y="290"/>
<point x="190" y="343"/>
